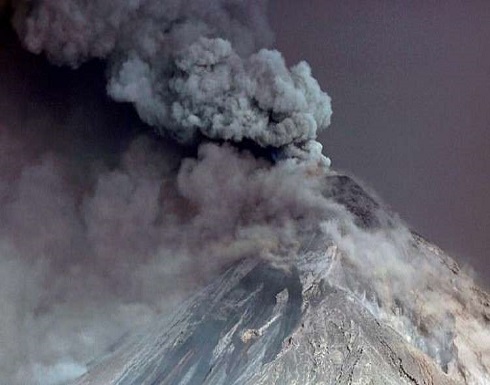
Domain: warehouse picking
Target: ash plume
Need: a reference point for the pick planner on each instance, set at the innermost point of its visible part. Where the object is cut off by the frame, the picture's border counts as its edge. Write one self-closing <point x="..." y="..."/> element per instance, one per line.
<point x="98" y="239"/>
<point x="189" y="68"/>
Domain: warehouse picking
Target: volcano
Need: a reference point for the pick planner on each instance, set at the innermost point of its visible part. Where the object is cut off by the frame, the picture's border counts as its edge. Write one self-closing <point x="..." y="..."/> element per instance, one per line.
<point x="206" y="185"/>
<point x="311" y="324"/>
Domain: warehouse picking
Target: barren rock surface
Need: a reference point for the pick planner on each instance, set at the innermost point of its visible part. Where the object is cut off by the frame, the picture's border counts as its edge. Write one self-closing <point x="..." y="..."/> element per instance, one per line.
<point x="260" y="325"/>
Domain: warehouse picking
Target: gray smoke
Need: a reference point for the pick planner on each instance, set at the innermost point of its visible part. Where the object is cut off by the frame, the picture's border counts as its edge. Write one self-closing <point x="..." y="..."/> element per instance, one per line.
<point x="189" y="68"/>
<point x="83" y="265"/>
<point x="97" y="243"/>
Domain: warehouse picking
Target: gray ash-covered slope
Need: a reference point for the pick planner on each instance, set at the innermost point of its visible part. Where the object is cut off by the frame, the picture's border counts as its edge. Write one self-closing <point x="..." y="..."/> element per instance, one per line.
<point x="311" y="324"/>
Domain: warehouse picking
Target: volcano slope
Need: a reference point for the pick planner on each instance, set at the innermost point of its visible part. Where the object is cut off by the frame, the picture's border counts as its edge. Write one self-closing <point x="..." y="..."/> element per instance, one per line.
<point x="326" y="319"/>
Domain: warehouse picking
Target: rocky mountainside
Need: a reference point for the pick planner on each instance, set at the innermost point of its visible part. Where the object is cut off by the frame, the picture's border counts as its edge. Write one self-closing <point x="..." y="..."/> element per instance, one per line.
<point x="322" y="321"/>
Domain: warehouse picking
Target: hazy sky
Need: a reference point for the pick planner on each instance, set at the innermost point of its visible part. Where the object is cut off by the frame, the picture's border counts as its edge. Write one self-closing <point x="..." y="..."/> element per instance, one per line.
<point x="410" y="83"/>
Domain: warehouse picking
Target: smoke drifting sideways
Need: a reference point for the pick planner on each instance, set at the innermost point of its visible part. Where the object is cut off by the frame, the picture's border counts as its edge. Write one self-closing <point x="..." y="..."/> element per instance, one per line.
<point x="104" y="225"/>
<point x="98" y="238"/>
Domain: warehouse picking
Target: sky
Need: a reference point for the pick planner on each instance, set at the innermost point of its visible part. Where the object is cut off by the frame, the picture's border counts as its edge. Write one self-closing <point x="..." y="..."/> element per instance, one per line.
<point x="410" y="83"/>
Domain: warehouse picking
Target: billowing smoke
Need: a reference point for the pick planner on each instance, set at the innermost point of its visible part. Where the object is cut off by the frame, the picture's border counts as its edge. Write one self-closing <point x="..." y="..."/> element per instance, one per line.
<point x="98" y="239"/>
<point x="86" y="261"/>
<point x="189" y="68"/>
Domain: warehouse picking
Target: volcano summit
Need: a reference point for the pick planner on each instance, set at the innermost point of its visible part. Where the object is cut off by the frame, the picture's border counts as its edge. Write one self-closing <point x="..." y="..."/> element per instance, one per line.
<point x="322" y="322"/>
